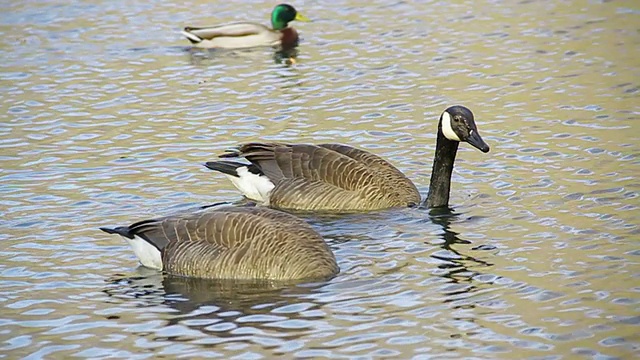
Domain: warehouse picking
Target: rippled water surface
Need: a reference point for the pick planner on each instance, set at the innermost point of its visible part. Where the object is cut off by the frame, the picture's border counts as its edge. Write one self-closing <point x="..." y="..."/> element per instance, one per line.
<point x="107" y="116"/>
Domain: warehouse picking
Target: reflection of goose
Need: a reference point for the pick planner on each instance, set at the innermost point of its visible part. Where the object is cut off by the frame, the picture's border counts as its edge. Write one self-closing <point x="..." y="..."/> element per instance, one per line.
<point x="333" y="177"/>
<point x="231" y="242"/>
<point x="246" y="34"/>
<point x="232" y="294"/>
<point x="218" y="307"/>
<point x="460" y="266"/>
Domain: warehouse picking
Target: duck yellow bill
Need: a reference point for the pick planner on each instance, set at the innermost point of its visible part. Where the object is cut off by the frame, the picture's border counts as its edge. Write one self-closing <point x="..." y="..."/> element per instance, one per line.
<point x="300" y="17"/>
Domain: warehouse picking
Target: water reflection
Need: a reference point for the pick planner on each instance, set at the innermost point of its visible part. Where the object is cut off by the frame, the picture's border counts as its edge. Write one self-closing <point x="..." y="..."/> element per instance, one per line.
<point x="280" y="56"/>
<point x="230" y="295"/>
<point x="286" y="56"/>
<point x="459" y="268"/>
<point x="444" y="216"/>
<point x="188" y="294"/>
<point x="220" y="308"/>
<point x="557" y="210"/>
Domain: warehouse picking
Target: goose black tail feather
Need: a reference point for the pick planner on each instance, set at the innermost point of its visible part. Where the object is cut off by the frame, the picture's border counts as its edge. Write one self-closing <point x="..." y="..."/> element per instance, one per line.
<point x="231" y="153"/>
<point x="138" y="228"/>
<point x="120" y="230"/>
<point x="230" y="167"/>
<point x="141" y="229"/>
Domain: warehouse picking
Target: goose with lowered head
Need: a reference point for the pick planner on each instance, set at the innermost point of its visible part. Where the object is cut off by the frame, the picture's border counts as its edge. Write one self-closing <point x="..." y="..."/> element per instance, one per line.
<point x="341" y="178"/>
<point x="231" y="242"/>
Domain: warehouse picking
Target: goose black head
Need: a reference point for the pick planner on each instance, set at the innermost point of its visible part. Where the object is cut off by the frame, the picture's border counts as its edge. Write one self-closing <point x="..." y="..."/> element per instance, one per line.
<point x="457" y="124"/>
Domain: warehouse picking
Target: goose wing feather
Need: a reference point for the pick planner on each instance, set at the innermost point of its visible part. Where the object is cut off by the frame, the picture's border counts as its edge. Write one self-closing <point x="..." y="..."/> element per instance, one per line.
<point x="371" y="160"/>
<point x="335" y="177"/>
<point x="310" y="195"/>
<point x="379" y="166"/>
<point x="285" y="161"/>
<point x="240" y="243"/>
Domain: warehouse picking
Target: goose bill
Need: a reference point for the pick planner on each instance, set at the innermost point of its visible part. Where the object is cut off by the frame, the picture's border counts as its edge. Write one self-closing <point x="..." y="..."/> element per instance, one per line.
<point x="476" y="141"/>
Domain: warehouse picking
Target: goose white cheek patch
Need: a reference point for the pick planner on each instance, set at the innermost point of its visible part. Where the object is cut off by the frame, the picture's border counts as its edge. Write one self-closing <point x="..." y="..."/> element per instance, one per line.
<point x="447" y="129"/>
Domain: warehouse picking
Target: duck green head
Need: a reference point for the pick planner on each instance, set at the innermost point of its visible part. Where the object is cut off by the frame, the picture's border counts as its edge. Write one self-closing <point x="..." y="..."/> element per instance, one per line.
<point x="283" y="14"/>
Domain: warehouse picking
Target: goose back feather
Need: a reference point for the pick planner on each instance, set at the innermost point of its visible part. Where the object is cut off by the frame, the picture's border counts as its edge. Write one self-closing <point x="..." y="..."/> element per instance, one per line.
<point x="327" y="177"/>
<point x="232" y="242"/>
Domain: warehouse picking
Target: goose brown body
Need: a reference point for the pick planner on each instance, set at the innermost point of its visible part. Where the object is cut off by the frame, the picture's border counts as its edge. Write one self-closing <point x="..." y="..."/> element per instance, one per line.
<point x="235" y="242"/>
<point x="329" y="177"/>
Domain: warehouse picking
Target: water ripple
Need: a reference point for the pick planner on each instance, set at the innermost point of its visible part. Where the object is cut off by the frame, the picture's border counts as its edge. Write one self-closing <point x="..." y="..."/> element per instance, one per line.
<point x="108" y="117"/>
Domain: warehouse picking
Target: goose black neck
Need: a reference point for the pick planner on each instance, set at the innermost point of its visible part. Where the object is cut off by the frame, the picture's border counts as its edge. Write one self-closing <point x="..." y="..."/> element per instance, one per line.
<point x="440" y="184"/>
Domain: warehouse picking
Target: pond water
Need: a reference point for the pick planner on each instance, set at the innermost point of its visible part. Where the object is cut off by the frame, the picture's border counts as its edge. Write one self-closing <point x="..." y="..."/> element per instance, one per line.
<point x="108" y="116"/>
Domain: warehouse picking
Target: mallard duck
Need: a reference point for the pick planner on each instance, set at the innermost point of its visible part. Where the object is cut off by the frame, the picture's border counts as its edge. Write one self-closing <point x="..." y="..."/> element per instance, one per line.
<point x="340" y="178"/>
<point x="231" y="242"/>
<point x="246" y="34"/>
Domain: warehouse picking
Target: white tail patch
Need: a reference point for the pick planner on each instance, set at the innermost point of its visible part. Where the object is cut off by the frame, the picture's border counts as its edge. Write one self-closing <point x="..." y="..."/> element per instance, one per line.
<point x="253" y="186"/>
<point x="148" y="254"/>
<point x="447" y="128"/>
<point x="191" y="36"/>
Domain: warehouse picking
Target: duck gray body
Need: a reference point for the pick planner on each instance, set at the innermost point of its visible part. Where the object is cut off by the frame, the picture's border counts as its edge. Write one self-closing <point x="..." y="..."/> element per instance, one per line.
<point x="341" y="178"/>
<point x="232" y="242"/>
<point x="238" y="36"/>
<point x="248" y="34"/>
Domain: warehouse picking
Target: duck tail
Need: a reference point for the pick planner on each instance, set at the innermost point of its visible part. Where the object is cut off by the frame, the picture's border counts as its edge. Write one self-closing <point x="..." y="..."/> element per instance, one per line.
<point x="193" y="38"/>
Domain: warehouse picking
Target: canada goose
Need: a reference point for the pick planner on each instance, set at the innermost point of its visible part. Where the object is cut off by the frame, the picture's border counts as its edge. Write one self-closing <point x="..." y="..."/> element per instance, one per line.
<point x="340" y="178"/>
<point x="231" y="242"/>
<point x="247" y="34"/>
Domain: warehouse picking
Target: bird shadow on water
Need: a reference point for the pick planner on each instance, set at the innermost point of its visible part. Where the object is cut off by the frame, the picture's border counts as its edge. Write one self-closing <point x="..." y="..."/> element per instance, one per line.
<point x="414" y="218"/>
<point x="217" y="307"/>
<point x="205" y="57"/>
<point x="457" y="267"/>
<point x="407" y="234"/>
<point x="444" y="217"/>
<point x="280" y="56"/>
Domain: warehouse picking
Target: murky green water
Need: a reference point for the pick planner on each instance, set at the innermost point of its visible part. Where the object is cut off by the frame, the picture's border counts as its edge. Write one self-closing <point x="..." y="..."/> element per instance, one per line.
<point x="107" y="118"/>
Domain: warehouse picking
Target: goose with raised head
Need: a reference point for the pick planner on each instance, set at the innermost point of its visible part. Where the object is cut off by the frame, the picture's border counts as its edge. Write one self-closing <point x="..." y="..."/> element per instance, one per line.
<point x="340" y="178"/>
<point x="246" y="34"/>
<point x="232" y="242"/>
